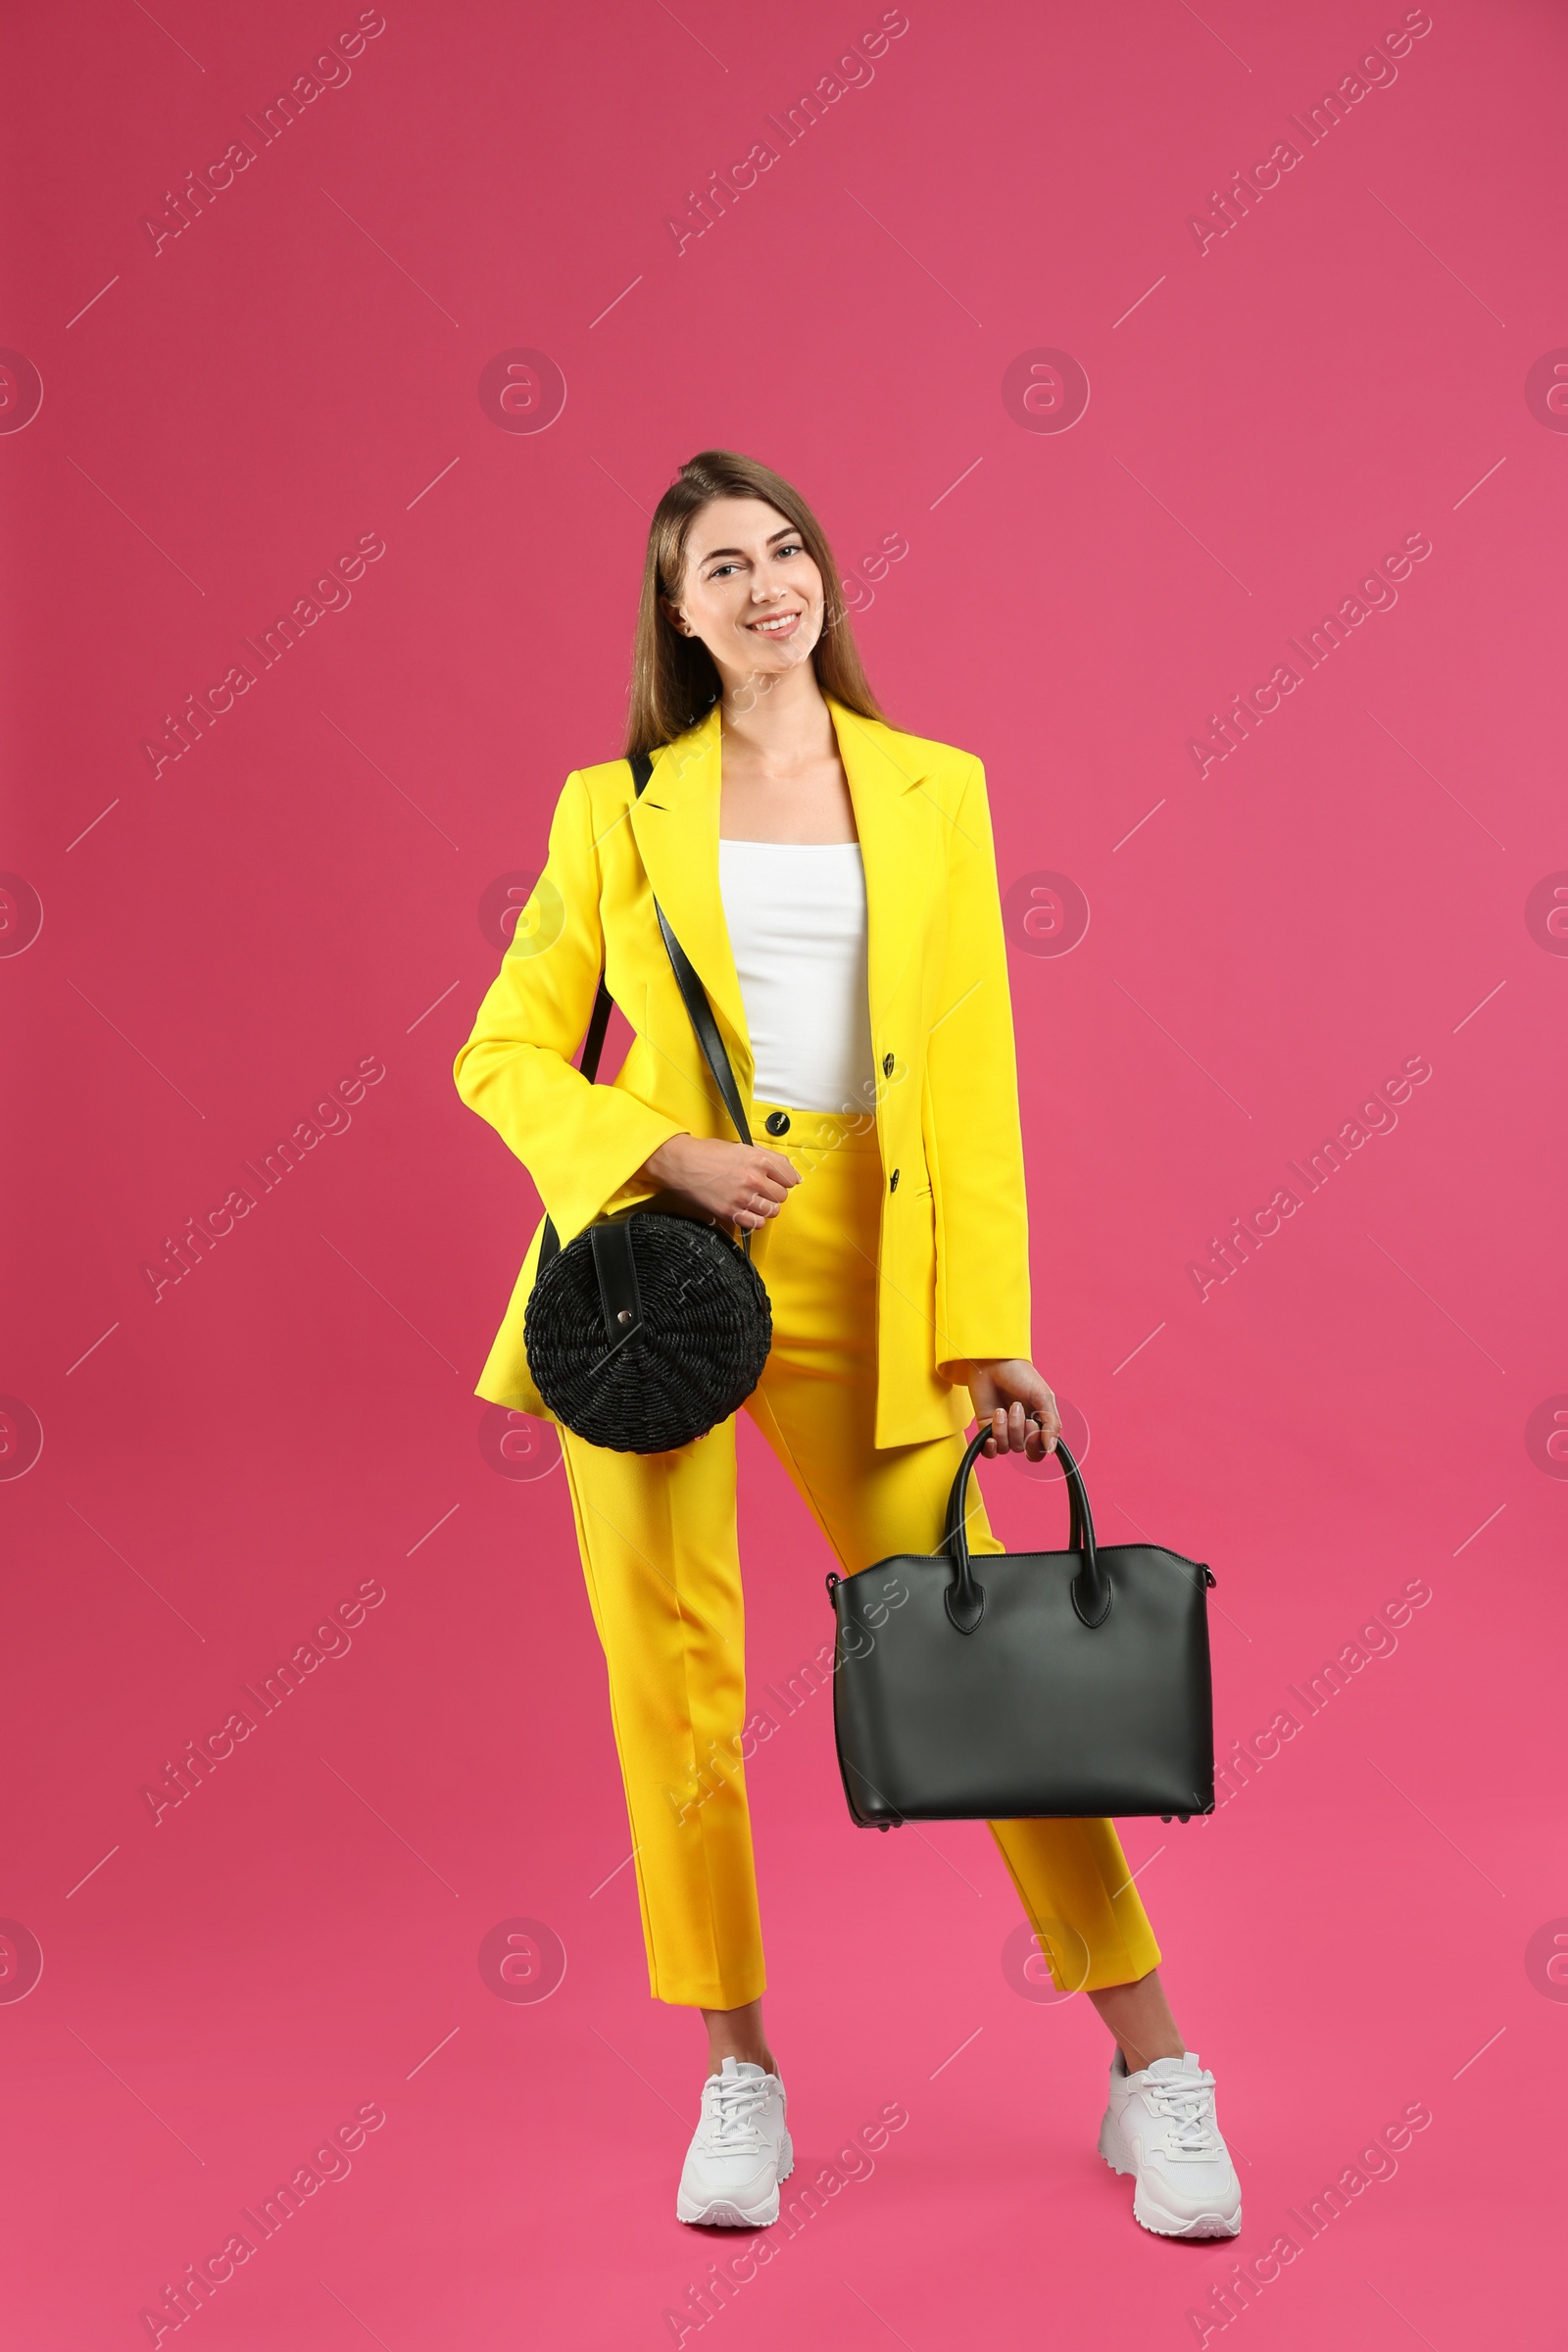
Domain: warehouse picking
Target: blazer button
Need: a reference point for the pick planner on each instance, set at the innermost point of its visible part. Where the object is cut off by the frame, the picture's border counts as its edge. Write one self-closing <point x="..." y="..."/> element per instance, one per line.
<point x="778" y="1122"/>
<point x="887" y="1065"/>
<point x="893" y="1181"/>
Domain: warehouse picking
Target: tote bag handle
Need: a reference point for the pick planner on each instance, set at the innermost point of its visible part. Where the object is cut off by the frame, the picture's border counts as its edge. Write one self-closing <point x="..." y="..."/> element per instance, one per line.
<point x="965" y="1599"/>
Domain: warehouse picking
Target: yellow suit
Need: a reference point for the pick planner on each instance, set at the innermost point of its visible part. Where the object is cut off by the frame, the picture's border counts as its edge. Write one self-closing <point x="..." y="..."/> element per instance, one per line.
<point x="952" y="1261"/>
<point x="903" y="1251"/>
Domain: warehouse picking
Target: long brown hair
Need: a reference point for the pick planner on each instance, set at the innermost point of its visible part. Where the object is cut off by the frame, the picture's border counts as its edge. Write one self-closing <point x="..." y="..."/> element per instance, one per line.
<point x="673" y="678"/>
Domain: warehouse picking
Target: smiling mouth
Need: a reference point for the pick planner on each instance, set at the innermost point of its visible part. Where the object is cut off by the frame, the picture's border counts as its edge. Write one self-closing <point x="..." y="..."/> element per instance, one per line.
<point x="777" y="624"/>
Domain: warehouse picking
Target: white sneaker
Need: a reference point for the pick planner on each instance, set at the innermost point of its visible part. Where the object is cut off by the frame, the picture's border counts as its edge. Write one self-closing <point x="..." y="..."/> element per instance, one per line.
<point x="1160" y="2127"/>
<point x="740" y="2152"/>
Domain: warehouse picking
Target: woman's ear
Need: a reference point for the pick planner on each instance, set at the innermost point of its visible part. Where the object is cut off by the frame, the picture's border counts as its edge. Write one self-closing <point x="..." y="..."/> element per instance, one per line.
<point x="672" y="613"/>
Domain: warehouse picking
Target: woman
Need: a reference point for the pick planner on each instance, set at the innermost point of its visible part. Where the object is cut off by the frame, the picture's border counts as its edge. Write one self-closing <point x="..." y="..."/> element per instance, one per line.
<point x="834" y="884"/>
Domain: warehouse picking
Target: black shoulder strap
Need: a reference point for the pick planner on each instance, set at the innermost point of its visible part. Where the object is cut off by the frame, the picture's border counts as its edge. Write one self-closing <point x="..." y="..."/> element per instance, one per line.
<point x="695" y="999"/>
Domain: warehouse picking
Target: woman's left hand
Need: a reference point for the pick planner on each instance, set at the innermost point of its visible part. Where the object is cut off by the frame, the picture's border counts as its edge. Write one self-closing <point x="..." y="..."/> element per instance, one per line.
<point x="1010" y="1395"/>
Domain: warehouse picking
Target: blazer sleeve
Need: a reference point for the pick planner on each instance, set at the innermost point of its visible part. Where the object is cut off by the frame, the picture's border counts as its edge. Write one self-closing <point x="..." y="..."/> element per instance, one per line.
<point x="977" y="1175"/>
<point x="579" y="1142"/>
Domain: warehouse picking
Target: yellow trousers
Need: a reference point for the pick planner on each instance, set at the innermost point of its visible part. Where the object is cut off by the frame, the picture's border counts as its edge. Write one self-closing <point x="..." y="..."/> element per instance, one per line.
<point x="657" y="1538"/>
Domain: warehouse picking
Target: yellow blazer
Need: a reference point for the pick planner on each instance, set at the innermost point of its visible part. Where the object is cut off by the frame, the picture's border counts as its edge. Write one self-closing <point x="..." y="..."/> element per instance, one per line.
<point x="953" y="1266"/>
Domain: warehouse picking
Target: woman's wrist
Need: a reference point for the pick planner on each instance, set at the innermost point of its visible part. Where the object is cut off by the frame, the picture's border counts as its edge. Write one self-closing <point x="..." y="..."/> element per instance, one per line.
<point x="660" y="1165"/>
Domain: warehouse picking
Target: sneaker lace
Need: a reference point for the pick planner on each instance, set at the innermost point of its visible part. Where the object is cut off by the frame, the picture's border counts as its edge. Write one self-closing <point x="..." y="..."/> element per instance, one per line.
<point x="1187" y="2101"/>
<point x="736" y="2100"/>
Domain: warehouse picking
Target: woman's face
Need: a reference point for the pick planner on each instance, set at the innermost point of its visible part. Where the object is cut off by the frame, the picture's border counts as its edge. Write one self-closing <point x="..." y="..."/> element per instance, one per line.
<point x="752" y="593"/>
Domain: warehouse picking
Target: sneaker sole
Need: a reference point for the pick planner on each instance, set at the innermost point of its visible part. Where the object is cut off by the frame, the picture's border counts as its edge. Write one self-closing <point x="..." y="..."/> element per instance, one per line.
<point x="1154" y="2217"/>
<point x="722" y="2213"/>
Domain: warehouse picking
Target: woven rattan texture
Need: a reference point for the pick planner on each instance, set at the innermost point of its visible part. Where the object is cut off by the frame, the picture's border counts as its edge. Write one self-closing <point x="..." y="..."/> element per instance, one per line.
<point x="695" y="1357"/>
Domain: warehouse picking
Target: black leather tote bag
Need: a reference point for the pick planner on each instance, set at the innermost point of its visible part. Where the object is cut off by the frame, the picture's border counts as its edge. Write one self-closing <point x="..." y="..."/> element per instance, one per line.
<point x="649" y="1328"/>
<point x="1023" y="1684"/>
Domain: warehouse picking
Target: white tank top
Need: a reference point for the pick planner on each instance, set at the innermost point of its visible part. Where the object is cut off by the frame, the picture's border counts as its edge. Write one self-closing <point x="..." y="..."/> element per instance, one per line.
<point x="797" y="918"/>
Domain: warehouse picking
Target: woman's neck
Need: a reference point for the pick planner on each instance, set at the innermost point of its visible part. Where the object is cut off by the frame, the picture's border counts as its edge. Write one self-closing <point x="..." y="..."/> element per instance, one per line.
<point x="778" y="721"/>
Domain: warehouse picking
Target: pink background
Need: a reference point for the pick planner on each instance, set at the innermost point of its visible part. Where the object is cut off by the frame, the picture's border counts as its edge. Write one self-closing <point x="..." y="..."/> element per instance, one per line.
<point x="1371" y="1400"/>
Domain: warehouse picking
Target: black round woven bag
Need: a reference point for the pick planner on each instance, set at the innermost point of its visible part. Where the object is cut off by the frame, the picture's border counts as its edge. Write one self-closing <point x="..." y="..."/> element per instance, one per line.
<point x="695" y="1345"/>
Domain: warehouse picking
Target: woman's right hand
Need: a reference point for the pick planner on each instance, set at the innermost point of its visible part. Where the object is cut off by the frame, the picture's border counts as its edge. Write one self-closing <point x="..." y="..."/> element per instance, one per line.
<point x="738" y="1184"/>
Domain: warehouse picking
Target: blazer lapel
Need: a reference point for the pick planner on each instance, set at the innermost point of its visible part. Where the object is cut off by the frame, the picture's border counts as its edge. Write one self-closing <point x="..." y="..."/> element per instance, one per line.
<point x="891" y="819"/>
<point x="675" y="826"/>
